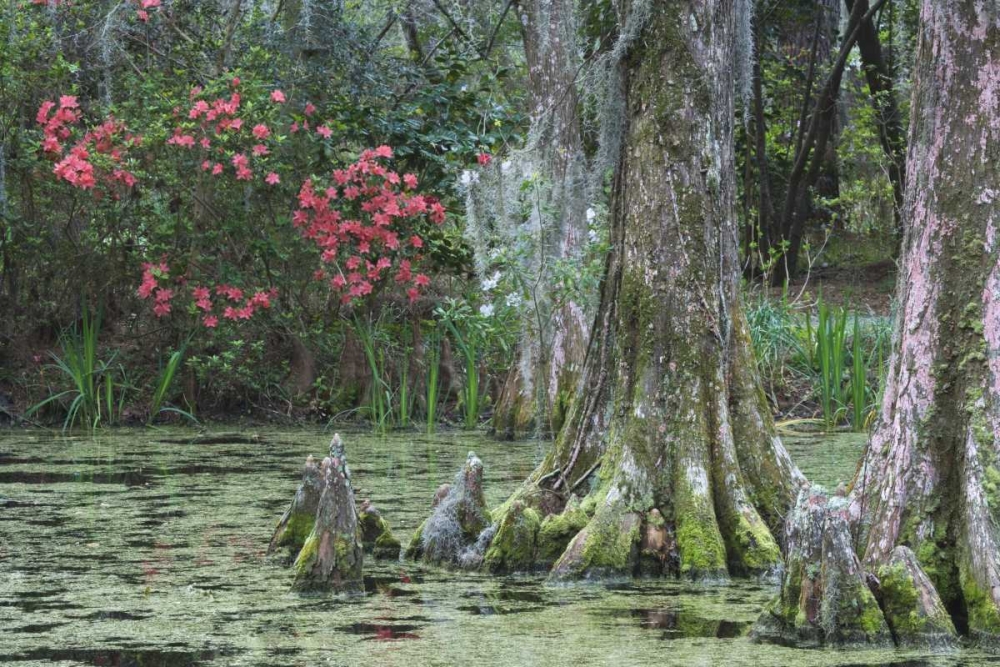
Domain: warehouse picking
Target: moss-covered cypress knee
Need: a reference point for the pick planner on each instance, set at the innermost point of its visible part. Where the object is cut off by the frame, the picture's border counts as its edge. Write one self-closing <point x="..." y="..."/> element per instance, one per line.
<point x="297" y="522"/>
<point x="458" y="530"/>
<point x="824" y="597"/>
<point x="376" y="534"/>
<point x="512" y="548"/>
<point x="557" y="530"/>
<point x="332" y="557"/>
<point x="911" y="604"/>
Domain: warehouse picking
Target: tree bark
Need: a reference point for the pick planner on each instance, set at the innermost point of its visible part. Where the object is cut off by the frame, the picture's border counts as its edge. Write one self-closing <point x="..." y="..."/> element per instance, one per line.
<point x="670" y="439"/>
<point x="539" y="387"/>
<point x="931" y="478"/>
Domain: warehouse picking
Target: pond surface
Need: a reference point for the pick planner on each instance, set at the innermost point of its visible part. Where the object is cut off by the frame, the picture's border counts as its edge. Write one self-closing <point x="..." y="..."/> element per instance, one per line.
<point x="147" y="548"/>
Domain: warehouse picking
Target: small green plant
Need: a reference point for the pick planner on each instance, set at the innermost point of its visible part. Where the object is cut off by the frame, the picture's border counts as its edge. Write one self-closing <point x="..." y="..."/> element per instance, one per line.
<point x="163" y="384"/>
<point x="92" y="396"/>
<point x="380" y="395"/>
<point x="859" y="378"/>
<point x="814" y="350"/>
<point x="433" y="358"/>
<point x="467" y="329"/>
<point x="830" y="353"/>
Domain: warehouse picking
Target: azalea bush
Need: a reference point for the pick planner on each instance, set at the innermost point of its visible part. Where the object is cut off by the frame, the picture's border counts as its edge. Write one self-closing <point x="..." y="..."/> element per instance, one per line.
<point x="205" y="181"/>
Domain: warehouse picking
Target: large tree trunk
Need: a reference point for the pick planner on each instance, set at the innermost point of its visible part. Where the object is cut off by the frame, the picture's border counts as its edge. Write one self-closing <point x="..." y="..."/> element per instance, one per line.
<point x="540" y="386"/>
<point x="670" y="438"/>
<point x="931" y="480"/>
<point x="925" y="502"/>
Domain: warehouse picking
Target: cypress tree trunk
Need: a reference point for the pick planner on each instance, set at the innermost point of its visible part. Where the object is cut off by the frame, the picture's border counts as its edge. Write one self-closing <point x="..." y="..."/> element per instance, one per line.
<point x="540" y="386"/>
<point x="670" y="437"/>
<point x="931" y="480"/>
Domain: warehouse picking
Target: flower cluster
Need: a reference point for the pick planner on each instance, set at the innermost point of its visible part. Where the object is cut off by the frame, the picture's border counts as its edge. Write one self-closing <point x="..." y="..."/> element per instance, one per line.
<point x="217" y="125"/>
<point x="110" y="140"/>
<point x="141" y="12"/>
<point x="231" y="302"/>
<point x="367" y="223"/>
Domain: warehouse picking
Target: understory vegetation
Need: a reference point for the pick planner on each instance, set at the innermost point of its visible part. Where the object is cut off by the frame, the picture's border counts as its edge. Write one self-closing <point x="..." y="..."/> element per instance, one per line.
<point x="273" y="211"/>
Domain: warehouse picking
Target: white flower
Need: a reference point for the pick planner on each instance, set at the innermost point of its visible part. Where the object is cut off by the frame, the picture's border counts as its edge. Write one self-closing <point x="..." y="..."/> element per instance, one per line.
<point x="491" y="282"/>
<point x="513" y="299"/>
<point x="591" y="214"/>
<point x="486" y="310"/>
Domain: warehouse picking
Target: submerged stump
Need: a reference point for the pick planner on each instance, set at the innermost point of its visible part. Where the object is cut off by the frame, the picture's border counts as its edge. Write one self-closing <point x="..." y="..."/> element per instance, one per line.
<point x="825" y="599"/>
<point x="376" y="534"/>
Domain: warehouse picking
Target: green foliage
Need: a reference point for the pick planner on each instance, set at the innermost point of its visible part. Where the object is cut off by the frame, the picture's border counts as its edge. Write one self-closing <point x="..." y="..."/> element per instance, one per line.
<point x="432" y="357"/>
<point x="163" y="384"/>
<point x="812" y="351"/>
<point x="94" y="398"/>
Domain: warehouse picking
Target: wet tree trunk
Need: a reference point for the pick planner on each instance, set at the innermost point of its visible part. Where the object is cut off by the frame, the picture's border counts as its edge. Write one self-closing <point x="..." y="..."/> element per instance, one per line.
<point x="670" y="439"/>
<point x="539" y="387"/>
<point x="931" y="479"/>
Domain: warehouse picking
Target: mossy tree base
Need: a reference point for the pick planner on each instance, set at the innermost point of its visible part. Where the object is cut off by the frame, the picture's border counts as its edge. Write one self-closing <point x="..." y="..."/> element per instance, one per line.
<point x="669" y="440"/>
<point x="825" y="599"/>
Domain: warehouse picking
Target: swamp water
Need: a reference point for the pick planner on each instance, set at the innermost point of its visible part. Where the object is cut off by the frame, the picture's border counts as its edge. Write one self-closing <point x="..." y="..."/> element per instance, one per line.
<point x="147" y="548"/>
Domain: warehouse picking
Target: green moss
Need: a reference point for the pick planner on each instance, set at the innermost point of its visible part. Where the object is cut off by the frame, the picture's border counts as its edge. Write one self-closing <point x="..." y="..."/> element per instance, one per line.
<point x="513" y="545"/>
<point x="610" y="544"/>
<point x="376" y="536"/>
<point x="753" y="547"/>
<point x="900" y="601"/>
<point x="589" y="503"/>
<point x="386" y="544"/>
<point x="307" y="556"/>
<point x="556" y="532"/>
<point x="991" y="485"/>
<point x="415" y="548"/>
<point x="702" y="551"/>
<point x="297" y="530"/>
<point x="871" y="619"/>
<point x="984" y="617"/>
